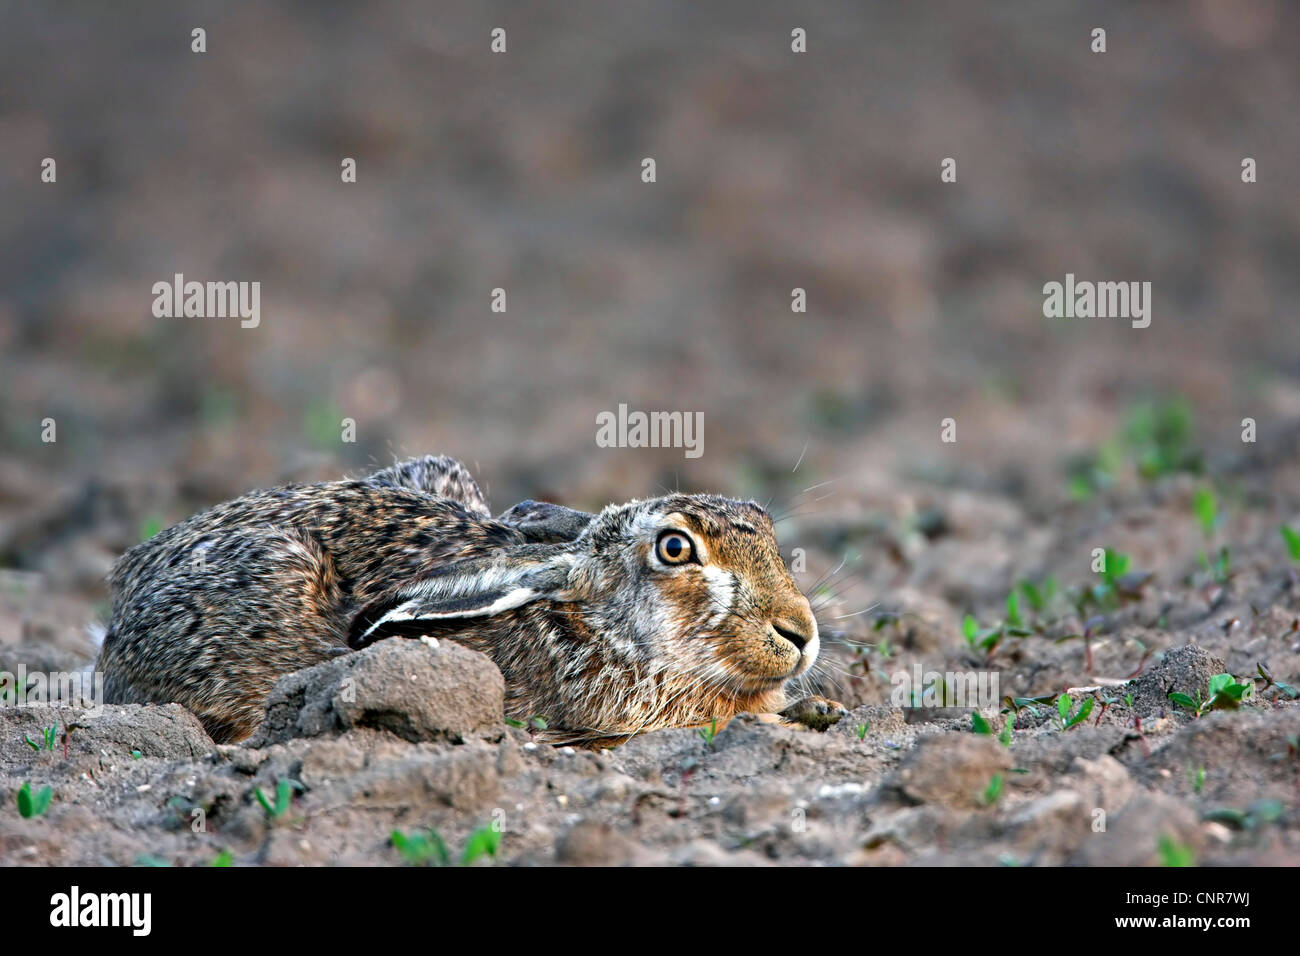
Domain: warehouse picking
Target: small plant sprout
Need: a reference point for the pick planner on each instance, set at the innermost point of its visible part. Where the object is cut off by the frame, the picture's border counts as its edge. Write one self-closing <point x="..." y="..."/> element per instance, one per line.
<point x="1015" y="705"/>
<point x="1040" y="595"/>
<point x="1270" y="681"/>
<point x="988" y="639"/>
<point x="48" y="736"/>
<point x="979" y="725"/>
<point x="482" y="842"/>
<point x="709" y="733"/>
<point x="535" y="723"/>
<point x="1066" y="716"/>
<point x="1008" y="727"/>
<point x="1206" y="506"/>
<point x="223" y="859"/>
<point x="993" y="791"/>
<point x="1292" y="539"/>
<point x="862" y="729"/>
<point x="426" y="847"/>
<point x="422" y="848"/>
<point x="283" y="798"/>
<point x="1224" y="693"/>
<point x="1252" y="818"/>
<point x="1014" y="617"/>
<point x="1198" y="780"/>
<point x="33" y="804"/>
<point x="1173" y="853"/>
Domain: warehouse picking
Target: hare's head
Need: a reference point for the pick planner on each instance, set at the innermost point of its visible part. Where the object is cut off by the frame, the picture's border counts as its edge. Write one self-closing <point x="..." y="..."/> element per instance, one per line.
<point x="682" y="606"/>
<point x="697" y="580"/>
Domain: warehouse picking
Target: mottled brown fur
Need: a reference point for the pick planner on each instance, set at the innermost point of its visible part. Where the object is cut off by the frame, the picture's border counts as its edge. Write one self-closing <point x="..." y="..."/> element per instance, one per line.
<point x="589" y="627"/>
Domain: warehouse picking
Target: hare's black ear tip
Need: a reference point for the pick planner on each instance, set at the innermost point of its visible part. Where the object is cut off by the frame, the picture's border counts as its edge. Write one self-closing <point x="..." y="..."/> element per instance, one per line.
<point x="374" y="623"/>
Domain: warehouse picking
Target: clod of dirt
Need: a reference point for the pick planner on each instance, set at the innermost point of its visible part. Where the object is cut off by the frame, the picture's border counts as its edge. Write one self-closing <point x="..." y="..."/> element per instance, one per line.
<point x="112" y="731"/>
<point x="415" y="690"/>
<point x="595" y="843"/>
<point x="1133" y="836"/>
<point x="953" y="771"/>
<point x="1185" y="669"/>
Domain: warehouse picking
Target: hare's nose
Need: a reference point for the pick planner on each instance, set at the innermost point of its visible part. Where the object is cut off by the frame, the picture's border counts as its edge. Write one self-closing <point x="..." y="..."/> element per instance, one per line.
<point x="792" y="633"/>
<point x="794" y="621"/>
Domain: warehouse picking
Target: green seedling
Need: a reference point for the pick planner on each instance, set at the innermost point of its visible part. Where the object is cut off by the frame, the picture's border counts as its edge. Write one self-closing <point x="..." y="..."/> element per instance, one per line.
<point x="482" y="842"/>
<point x="1224" y="693"/>
<point x="49" y="735"/>
<point x="988" y="639"/>
<point x="1220" y="567"/>
<point x="534" y="723"/>
<point x="1206" y="506"/>
<point x="1173" y="853"/>
<point x="283" y="798"/>
<point x="223" y="859"/>
<point x="136" y="755"/>
<point x="862" y="730"/>
<point x="709" y="733"/>
<point x="33" y="804"/>
<point x="1014" y="617"/>
<point x="1008" y="727"/>
<point x="1292" y="539"/>
<point x="1198" y="780"/>
<point x="1252" y="818"/>
<point x="422" y="848"/>
<point x="980" y="725"/>
<point x="1016" y="704"/>
<point x="993" y="791"/>
<point x="1066" y="716"/>
<point x="1270" y="681"/>
<point x="1040" y="595"/>
<point x="1159" y="436"/>
<point x="1118" y="584"/>
<point x="1156" y="438"/>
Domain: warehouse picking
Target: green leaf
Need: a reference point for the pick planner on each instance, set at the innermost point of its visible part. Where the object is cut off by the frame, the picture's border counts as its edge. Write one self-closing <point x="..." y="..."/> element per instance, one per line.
<point x="1173" y="853"/>
<point x="1182" y="700"/>
<point x="224" y="858"/>
<point x="1292" y="539"/>
<point x="1207" y="510"/>
<point x="1082" y="715"/>
<point x="1013" y="610"/>
<point x="1063" y="704"/>
<point x="1218" y="682"/>
<point x="979" y="724"/>
<point x="970" y="628"/>
<point x="993" y="790"/>
<point x="482" y="842"/>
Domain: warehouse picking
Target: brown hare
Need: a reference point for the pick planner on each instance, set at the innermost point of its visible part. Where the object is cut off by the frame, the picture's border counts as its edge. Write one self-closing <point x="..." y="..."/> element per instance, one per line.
<point x="670" y="612"/>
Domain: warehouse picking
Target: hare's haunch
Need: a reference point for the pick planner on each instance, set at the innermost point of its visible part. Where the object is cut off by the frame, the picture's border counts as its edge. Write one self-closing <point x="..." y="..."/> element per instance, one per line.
<point x="670" y="612"/>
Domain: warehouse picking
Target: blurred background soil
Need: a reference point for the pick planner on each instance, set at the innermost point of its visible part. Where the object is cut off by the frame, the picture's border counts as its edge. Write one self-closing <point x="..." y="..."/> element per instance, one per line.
<point x="775" y="170"/>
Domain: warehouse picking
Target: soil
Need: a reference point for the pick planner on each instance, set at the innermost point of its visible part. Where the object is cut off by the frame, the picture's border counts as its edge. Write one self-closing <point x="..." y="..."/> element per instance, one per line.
<point x="774" y="172"/>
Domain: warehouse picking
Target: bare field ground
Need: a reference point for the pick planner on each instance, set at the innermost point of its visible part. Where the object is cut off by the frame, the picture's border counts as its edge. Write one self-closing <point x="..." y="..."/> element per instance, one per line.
<point x="775" y="171"/>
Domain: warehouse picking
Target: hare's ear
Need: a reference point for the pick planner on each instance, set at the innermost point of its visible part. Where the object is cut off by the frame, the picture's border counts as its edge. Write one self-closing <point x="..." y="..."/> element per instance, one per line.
<point x="545" y="523"/>
<point x="464" y="590"/>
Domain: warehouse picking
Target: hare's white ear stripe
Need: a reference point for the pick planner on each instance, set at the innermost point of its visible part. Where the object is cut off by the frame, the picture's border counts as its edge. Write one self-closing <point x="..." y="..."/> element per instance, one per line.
<point x="420" y="610"/>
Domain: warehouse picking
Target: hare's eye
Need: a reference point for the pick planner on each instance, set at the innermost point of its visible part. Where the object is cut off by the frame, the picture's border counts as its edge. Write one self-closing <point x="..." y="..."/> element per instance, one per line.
<point x="674" y="548"/>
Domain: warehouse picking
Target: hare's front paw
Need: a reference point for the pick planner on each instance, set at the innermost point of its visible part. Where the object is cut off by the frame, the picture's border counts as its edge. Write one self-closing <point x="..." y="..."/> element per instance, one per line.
<point x="815" y="713"/>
